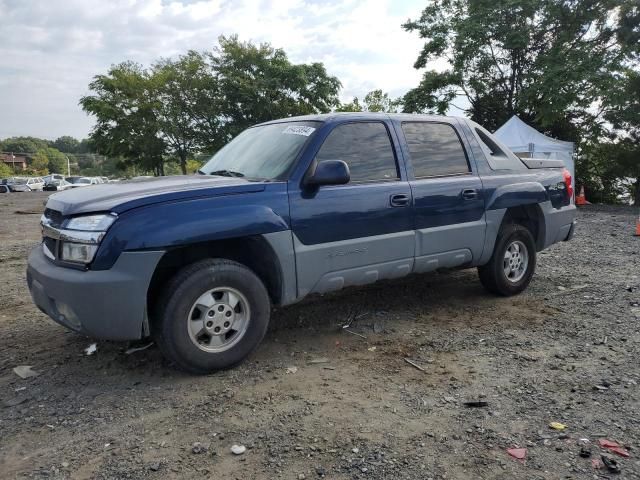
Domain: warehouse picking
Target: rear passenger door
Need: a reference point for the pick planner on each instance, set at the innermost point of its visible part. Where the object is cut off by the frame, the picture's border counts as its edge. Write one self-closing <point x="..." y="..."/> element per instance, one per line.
<point x="448" y="201"/>
<point x="360" y="232"/>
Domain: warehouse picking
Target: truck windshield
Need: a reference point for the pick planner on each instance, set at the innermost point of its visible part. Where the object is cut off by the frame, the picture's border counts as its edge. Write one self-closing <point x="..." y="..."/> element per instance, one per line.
<point x="265" y="152"/>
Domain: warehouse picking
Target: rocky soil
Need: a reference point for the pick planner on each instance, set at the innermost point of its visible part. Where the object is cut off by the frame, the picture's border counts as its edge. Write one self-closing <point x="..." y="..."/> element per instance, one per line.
<point x="319" y="400"/>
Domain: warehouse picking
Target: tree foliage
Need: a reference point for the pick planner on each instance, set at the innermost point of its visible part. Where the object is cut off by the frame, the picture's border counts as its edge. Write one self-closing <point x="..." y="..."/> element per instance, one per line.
<point x="5" y="170"/>
<point x="40" y="162"/>
<point x="57" y="160"/>
<point x="374" y="101"/>
<point x="23" y="145"/>
<point x="195" y="103"/>
<point x="547" y="61"/>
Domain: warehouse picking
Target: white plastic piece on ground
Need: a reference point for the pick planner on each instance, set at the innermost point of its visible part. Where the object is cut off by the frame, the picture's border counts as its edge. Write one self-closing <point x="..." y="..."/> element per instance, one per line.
<point x="24" y="371"/>
<point x="238" y="449"/>
<point x="292" y="369"/>
<point x="91" y="349"/>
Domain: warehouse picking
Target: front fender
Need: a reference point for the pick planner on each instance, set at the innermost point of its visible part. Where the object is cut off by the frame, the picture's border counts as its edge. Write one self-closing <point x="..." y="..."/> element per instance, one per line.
<point x="163" y="226"/>
<point x="517" y="194"/>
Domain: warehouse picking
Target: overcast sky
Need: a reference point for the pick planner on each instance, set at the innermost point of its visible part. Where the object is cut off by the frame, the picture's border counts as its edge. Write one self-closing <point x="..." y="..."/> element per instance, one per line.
<point x="50" y="49"/>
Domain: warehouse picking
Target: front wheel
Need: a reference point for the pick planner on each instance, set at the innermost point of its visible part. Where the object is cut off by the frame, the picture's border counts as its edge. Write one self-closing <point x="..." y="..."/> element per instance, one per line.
<point x="214" y="313"/>
<point x="513" y="262"/>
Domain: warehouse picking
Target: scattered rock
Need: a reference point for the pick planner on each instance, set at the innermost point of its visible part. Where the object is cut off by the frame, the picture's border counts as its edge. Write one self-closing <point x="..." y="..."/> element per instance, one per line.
<point x="238" y="449"/>
<point x="199" y="448"/>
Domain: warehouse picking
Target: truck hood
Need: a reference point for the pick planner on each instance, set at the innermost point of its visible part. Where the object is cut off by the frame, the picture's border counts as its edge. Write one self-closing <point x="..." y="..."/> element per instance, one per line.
<point x="122" y="196"/>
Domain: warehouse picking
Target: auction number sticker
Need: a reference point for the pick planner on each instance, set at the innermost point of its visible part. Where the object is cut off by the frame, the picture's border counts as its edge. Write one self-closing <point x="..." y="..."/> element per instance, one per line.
<point x="301" y="130"/>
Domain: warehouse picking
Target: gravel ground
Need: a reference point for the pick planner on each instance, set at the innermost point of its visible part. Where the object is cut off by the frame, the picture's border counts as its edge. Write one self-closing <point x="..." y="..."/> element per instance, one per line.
<point x="565" y="351"/>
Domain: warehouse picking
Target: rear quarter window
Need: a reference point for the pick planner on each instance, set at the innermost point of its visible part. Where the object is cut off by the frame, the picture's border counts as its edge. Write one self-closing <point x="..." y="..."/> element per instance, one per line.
<point x="435" y="149"/>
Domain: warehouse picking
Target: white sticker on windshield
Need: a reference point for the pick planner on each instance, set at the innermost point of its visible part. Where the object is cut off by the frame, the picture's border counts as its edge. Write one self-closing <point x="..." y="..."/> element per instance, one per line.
<point x="302" y="130"/>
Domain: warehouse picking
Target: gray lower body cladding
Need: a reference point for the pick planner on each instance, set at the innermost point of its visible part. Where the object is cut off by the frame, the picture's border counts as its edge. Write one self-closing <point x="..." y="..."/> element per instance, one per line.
<point x="106" y="304"/>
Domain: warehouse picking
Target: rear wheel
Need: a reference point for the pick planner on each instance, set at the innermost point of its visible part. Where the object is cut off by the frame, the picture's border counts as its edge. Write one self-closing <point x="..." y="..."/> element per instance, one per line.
<point x="214" y="314"/>
<point x="513" y="262"/>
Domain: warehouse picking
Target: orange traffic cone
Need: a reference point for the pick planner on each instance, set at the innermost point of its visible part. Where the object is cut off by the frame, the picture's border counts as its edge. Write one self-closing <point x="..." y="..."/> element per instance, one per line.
<point x="581" y="199"/>
<point x="637" y="234"/>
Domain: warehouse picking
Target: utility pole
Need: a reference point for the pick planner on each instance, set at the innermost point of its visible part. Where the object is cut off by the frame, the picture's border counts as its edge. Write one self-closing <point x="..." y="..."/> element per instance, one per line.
<point x="68" y="166"/>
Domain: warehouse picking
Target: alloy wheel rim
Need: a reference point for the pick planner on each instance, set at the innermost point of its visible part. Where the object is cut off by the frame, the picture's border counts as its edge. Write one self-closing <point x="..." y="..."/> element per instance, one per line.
<point x="218" y="319"/>
<point x="515" y="261"/>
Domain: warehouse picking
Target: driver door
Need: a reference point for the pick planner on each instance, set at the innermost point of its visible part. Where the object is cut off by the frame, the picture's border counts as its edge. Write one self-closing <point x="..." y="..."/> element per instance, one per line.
<point x="362" y="231"/>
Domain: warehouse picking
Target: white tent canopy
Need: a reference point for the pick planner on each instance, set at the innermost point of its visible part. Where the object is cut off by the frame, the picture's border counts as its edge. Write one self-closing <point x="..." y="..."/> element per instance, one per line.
<point x="521" y="138"/>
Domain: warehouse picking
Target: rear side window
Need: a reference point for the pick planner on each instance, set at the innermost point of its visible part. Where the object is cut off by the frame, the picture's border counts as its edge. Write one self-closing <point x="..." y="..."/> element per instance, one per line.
<point x="435" y="149"/>
<point x="365" y="147"/>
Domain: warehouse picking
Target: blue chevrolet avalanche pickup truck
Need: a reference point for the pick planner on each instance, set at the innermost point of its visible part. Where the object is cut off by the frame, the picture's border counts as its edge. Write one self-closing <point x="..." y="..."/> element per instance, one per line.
<point x="289" y="208"/>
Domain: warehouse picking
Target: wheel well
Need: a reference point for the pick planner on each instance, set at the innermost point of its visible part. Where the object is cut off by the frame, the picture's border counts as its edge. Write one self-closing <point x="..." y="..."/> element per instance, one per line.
<point x="253" y="252"/>
<point x="530" y="217"/>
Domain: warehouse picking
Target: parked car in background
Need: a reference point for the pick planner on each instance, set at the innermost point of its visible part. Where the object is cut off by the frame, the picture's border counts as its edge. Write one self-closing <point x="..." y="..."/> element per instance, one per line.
<point x="18" y="184"/>
<point x="52" y="176"/>
<point x="81" y="181"/>
<point x="4" y="188"/>
<point x="56" y="185"/>
<point x="25" y="184"/>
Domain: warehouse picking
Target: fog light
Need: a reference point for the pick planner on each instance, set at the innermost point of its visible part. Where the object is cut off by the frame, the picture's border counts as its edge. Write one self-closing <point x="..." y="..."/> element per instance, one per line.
<point x="78" y="252"/>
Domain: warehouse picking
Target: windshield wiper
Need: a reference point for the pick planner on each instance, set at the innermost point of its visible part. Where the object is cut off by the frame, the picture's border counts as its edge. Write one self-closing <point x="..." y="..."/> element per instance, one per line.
<point x="227" y="173"/>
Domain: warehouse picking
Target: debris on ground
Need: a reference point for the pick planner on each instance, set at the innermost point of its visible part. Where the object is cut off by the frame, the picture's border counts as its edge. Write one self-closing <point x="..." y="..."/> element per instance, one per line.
<point x="557" y="426"/>
<point x="585" y="451"/>
<point x="316" y="361"/>
<point x="615" y="447"/>
<point x="199" y="448"/>
<point x="292" y="369"/>
<point x="372" y="349"/>
<point x="91" y="349"/>
<point x="131" y="350"/>
<point x="476" y="404"/>
<point x="518" y="453"/>
<point x="354" y="333"/>
<point x="414" y="364"/>
<point x="14" y="402"/>
<point x="610" y="463"/>
<point x="238" y="449"/>
<point x="25" y="371"/>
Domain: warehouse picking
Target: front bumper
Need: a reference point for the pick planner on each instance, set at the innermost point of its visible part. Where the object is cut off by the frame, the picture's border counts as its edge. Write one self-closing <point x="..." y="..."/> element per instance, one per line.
<point x="105" y="304"/>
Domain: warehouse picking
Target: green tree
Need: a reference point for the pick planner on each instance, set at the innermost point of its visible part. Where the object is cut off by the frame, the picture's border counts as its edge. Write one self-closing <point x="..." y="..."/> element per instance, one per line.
<point x="257" y="83"/>
<point x="195" y="103"/>
<point x="40" y="162"/>
<point x="185" y="99"/>
<point x="124" y="104"/>
<point x="374" y="101"/>
<point x="57" y="160"/>
<point x="66" y="144"/>
<point x="23" y="144"/>
<point x="5" y="170"/>
<point x="546" y="61"/>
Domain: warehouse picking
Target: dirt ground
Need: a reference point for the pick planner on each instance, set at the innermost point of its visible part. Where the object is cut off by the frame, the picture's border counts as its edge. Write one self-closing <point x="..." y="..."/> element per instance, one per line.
<point x="567" y="350"/>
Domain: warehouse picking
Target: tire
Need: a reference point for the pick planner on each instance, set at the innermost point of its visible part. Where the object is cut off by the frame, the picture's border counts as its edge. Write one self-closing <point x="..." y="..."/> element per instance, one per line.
<point x="214" y="293"/>
<point x="493" y="275"/>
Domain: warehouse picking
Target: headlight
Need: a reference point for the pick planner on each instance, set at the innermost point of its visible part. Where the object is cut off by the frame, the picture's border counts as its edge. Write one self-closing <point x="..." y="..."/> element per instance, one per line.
<point x="77" y="252"/>
<point x="91" y="223"/>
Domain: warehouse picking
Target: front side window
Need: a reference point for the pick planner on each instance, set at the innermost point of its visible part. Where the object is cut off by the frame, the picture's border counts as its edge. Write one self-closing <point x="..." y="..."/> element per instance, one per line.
<point x="435" y="149"/>
<point x="365" y="147"/>
<point x="265" y="152"/>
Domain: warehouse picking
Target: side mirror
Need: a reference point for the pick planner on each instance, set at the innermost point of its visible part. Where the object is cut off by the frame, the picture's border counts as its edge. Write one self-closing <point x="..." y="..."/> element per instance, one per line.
<point x="328" y="172"/>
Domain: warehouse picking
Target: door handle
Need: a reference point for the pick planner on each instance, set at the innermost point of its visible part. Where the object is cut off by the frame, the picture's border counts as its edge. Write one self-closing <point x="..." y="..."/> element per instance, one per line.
<point x="399" y="200"/>
<point x="469" y="194"/>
